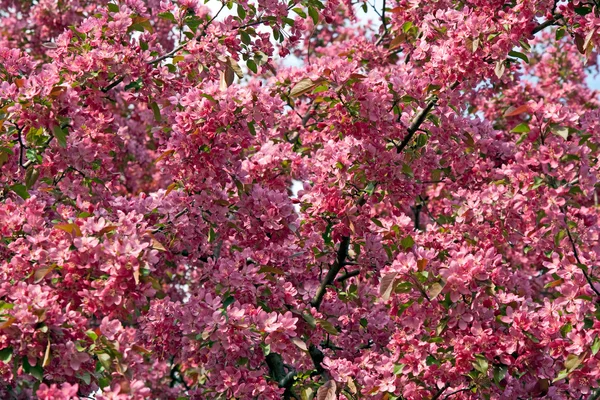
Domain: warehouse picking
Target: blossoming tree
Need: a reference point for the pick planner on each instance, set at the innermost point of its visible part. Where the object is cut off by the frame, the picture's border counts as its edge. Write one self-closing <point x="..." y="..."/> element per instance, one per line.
<point x="445" y="244"/>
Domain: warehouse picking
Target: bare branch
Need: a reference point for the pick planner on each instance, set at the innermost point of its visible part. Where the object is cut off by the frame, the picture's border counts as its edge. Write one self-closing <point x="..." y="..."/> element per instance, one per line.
<point x="384" y="24"/>
<point x="546" y="24"/>
<point x="456" y="392"/>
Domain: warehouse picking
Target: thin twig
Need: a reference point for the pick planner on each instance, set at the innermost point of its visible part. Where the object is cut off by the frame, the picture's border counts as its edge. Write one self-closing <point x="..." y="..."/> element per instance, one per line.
<point x="456" y="392"/>
<point x="181" y="46"/>
<point x="45" y="145"/>
<point x="384" y="24"/>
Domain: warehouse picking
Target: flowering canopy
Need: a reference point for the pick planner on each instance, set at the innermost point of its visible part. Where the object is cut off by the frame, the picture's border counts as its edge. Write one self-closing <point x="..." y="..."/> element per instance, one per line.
<point x="445" y="244"/>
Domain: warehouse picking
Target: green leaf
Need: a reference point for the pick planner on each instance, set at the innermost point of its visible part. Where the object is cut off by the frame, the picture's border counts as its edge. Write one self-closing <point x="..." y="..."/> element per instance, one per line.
<point x="211" y="235"/>
<point x="31" y="176"/>
<point x="252" y="66"/>
<point x="228" y="301"/>
<point x="61" y="136"/>
<point x="370" y="188"/>
<point x="321" y="88"/>
<point x="560" y="33"/>
<point x="241" y="12"/>
<point x="499" y="373"/>
<point x="86" y="378"/>
<point x="377" y="222"/>
<point x="582" y="10"/>
<point x="36" y="371"/>
<point x="156" y="111"/>
<point x="266" y="348"/>
<point x="104" y="359"/>
<point x="245" y="37"/>
<point x="91" y="334"/>
<point x="421" y="140"/>
<point x="398" y="369"/>
<point x="520" y="55"/>
<point x="572" y="362"/>
<point x="310" y="320"/>
<point x="137" y="85"/>
<point x="480" y="364"/>
<point x="408" y="242"/>
<point x="21" y="190"/>
<point x="6" y="354"/>
<point x="327" y="326"/>
<point x="406" y="26"/>
<point x="561" y="375"/>
<point x="113" y="7"/>
<point x="167" y="16"/>
<point x="596" y="345"/>
<point x="314" y="14"/>
<point x="521" y="128"/>
<point x="403" y="287"/>
<point x="537" y="182"/>
<point x="299" y="11"/>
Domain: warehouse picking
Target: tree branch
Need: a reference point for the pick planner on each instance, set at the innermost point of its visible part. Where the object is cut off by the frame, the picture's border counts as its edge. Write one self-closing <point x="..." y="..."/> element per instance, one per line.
<point x="348" y="275"/>
<point x="456" y="392"/>
<point x="112" y="84"/>
<point x="277" y="372"/>
<point x="383" y="23"/>
<point x="419" y="119"/>
<point x="546" y="24"/>
<point x="317" y="358"/>
<point x="439" y="392"/>
<point x="342" y="253"/>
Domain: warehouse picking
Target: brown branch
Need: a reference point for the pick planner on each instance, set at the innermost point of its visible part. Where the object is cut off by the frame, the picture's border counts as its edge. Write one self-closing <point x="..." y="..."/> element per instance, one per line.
<point x="546" y="24"/>
<point x="576" y="254"/>
<point x="419" y="119"/>
<point x="112" y="84"/>
<point x="348" y="275"/>
<point x="277" y="371"/>
<point x="21" y="146"/>
<point x="202" y="33"/>
<point x="456" y="392"/>
<point x="340" y="262"/>
<point x="439" y="392"/>
<point x="342" y="253"/>
<point x="317" y="357"/>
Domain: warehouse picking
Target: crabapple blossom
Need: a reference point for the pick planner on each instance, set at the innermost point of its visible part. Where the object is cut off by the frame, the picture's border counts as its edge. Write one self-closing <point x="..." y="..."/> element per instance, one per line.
<point x="445" y="243"/>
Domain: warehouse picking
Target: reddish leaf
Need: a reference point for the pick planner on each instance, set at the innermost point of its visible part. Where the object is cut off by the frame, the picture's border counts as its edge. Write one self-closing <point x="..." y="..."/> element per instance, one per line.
<point x="386" y="286"/>
<point x="327" y="391"/>
<point x="514" y="111"/>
